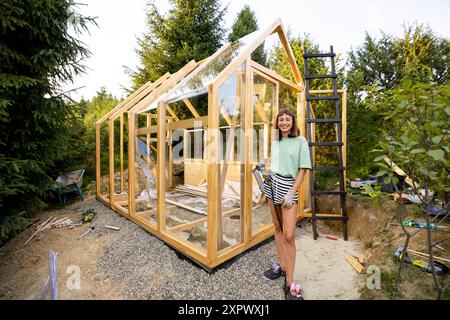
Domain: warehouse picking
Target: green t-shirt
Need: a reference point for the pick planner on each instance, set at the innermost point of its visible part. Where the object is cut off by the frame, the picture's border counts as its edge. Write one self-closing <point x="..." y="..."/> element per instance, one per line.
<point x="289" y="155"/>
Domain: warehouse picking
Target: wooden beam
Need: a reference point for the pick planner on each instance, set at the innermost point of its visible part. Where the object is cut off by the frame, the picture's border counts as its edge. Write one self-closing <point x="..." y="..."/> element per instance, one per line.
<point x="124" y="102"/>
<point x="195" y="210"/>
<point x="344" y="135"/>
<point x="163" y="88"/>
<point x="121" y="154"/>
<point x="181" y="124"/>
<point x="354" y="263"/>
<point x="242" y="57"/>
<point x="247" y="184"/>
<point x="426" y="255"/>
<point x="402" y="173"/>
<point x="111" y="160"/>
<point x="212" y="172"/>
<point x="172" y="113"/>
<point x="290" y="55"/>
<point x="131" y="163"/>
<point x="263" y="71"/>
<point x="188" y="225"/>
<point x="161" y="166"/>
<point x="191" y="108"/>
<point x="97" y="159"/>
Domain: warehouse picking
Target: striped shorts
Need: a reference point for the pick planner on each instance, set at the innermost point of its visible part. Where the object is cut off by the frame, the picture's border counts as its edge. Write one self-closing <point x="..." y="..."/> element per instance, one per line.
<point x="280" y="187"/>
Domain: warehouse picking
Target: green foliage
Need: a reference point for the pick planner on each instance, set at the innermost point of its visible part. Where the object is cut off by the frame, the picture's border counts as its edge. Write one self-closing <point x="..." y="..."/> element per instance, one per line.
<point x="192" y="30"/>
<point x="38" y="124"/>
<point x="244" y="24"/>
<point x="415" y="132"/>
<point x="419" y="55"/>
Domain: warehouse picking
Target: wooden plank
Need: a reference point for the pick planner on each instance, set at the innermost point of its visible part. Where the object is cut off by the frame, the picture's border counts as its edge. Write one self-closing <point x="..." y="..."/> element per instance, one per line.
<point x="131" y="163"/>
<point x="325" y="91"/>
<point x="402" y="173"/>
<point x="163" y="88"/>
<point x="124" y="102"/>
<point x="170" y="138"/>
<point x="97" y="160"/>
<point x="344" y="135"/>
<point x="264" y="72"/>
<point x="122" y="197"/>
<point x="191" y="108"/>
<point x="181" y="124"/>
<point x="242" y="57"/>
<point x="121" y="155"/>
<point x="426" y="255"/>
<point x="354" y="263"/>
<point x="172" y="113"/>
<point x="247" y="184"/>
<point x="111" y="160"/>
<point x="212" y="172"/>
<point x="161" y="165"/>
<point x="188" y="225"/>
<point x="362" y="259"/>
<point x="186" y="207"/>
<point x="290" y="55"/>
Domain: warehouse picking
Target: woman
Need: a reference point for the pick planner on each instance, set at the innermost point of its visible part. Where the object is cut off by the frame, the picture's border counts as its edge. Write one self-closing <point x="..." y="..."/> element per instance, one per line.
<point x="288" y="164"/>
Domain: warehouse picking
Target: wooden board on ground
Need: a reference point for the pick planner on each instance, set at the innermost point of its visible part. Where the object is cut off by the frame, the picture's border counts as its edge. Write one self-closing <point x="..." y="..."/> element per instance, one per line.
<point x="354" y="263"/>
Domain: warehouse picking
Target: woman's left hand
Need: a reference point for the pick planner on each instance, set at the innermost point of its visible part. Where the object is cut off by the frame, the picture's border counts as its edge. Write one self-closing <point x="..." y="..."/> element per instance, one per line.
<point x="288" y="199"/>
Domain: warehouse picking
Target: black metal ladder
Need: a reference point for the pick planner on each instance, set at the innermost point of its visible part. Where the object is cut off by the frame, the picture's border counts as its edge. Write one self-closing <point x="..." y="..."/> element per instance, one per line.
<point x="309" y="121"/>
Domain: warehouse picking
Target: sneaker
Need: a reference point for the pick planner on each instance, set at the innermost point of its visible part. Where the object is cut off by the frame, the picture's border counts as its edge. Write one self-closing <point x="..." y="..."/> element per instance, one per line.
<point x="293" y="287"/>
<point x="274" y="272"/>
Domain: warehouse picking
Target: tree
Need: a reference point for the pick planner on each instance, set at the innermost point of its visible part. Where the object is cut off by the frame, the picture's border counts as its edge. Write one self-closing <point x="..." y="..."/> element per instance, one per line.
<point x="192" y="30"/>
<point x="415" y="136"/>
<point x="244" y="24"/>
<point x="36" y="119"/>
<point x="386" y="62"/>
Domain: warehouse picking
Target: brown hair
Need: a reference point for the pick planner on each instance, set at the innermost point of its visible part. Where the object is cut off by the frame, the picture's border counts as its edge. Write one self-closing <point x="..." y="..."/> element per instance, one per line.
<point x="294" y="130"/>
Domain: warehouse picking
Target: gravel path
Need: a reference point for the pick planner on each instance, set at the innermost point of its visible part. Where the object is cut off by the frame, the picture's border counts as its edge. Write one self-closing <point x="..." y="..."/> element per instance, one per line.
<point x="146" y="268"/>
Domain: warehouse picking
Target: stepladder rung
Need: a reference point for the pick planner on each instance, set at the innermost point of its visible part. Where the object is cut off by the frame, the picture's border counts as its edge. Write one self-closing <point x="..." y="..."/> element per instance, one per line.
<point x="321" y="76"/>
<point x="329" y="217"/>
<point x="319" y="55"/>
<point x="328" y="193"/>
<point x="313" y="98"/>
<point x="325" y="144"/>
<point x="321" y="168"/>
<point x="323" y="120"/>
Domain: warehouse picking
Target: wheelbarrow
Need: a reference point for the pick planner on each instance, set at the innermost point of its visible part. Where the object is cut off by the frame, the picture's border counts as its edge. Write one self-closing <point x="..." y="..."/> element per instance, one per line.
<point x="67" y="183"/>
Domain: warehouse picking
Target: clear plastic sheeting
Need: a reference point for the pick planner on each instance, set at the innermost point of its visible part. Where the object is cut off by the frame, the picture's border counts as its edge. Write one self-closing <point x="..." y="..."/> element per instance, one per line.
<point x="197" y="82"/>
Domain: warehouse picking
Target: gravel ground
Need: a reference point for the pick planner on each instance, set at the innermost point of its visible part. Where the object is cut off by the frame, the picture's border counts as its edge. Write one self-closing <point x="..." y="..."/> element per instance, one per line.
<point x="146" y="268"/>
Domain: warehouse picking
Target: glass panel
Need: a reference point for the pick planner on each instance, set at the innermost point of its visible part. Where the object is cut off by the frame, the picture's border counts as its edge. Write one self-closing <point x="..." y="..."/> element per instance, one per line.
<point x="263" y="104"/>
<point x="197" y="82"/>
<point x="146" y="197"/>
<point x="186" y="195"/>
<point x="232" y="159"/>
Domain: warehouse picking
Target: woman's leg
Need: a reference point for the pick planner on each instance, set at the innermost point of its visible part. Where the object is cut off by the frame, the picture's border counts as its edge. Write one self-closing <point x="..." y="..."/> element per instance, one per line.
<point x="277" y="219"/>
<point x="289" y="226"/>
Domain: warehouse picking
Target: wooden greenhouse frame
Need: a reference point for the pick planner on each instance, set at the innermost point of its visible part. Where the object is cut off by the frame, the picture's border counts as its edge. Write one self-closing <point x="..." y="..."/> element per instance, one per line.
<point x="134" y="128"/>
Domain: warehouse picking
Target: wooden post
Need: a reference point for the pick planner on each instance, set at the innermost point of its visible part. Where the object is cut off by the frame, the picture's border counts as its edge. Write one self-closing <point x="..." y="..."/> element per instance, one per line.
<point x="149" y="124"/>
<point x="247" y="195"/>
<point x="111" y="161"/>
<point x="97" y="159"/>
<point x="213" y="172"/>
<point x="302" y="127"/>
<point x="121" y="155"/>
<point x="161" y="166"/>
<point x="344" y="135"/>
<point x="131" y="163"/>
<point x="170" y="138"/>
